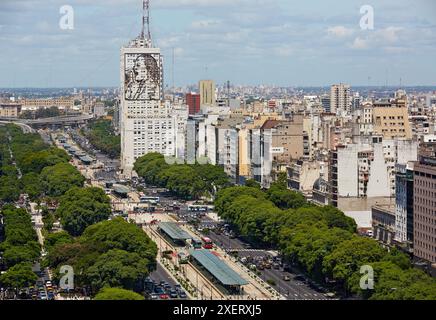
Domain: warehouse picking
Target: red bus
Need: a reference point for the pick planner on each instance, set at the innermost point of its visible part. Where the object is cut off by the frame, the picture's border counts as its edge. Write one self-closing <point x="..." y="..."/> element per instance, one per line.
<point x="207" y="243"/>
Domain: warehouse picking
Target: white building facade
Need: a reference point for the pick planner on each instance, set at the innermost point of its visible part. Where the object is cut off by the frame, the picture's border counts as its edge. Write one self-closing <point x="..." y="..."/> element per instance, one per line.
<point x="146" y="121"/>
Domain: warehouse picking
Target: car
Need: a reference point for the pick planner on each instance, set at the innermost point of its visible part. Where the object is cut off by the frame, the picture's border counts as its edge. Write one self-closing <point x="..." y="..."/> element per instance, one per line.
<point x="299" y="277"/>
<point x="182" y="294"/>
<point x="286" y="278"/>
<point x="50" y="296"/>
<point x="159" y="290"/>
<point x="164" y="296"/>
<point x="276" y="266"/>
<point x="154" y="296"/>
<point x="173" y="295"/>
<point x="178" y="287"/>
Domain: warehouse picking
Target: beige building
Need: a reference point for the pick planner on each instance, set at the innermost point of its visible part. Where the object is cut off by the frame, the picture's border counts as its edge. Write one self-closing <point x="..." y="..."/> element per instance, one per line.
<point x="10" y="110"/>
<point x="61" y="103"/>
<point x="207" y="92"/>
<point x="287" y="139"/>
<point x="392" y="122"/>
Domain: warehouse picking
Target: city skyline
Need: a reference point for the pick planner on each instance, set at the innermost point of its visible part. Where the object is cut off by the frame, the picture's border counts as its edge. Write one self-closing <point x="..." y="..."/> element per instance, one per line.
<point x="268" y="41"/>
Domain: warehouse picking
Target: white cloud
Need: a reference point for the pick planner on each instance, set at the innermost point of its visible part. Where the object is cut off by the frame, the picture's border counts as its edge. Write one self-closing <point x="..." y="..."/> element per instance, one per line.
<point x="340" y="31"/>
<point x="360" y="43"/>
<point x="284" y="51"/>
<point x="201" y="24"/>
<point x="389" y="34"/>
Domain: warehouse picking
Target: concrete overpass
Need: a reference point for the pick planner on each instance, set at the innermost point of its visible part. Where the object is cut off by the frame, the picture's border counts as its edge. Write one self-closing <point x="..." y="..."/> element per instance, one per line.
<point x="26" y="128"/>
<point x="64" y="120"/>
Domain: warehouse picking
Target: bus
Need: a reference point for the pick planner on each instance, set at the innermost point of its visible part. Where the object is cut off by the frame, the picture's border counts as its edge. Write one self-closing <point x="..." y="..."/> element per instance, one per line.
<point x="196" y="243"/>
<point x="196" y="208"/>
<point x="207" y="243"/>
<point x="151" y="200"/>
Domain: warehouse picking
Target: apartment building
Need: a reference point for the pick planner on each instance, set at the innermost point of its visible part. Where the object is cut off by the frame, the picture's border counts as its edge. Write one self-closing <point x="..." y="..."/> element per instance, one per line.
<point x="424" y="205"/>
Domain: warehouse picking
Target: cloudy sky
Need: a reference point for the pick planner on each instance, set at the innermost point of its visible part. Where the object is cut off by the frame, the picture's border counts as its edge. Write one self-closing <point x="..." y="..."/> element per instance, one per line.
<point x="280" y="42"/>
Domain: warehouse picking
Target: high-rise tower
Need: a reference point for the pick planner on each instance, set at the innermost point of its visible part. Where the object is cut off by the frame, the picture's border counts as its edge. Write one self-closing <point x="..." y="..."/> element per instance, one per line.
<point x="340" y="98"/>
<point x="146" y="124"/>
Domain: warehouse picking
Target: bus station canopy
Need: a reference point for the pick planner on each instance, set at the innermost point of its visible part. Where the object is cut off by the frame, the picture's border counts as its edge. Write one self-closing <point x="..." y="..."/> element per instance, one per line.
<point x="120" y="189"/>
<point x="86" y="159"/>
<point x="174" y="231"/>
<point x="218" y="268"/>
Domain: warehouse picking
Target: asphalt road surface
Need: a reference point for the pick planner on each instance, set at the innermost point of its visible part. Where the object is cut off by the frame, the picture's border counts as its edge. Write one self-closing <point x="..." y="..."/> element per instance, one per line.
<point x="160" y="274"/>
<point x="292" y="290"/>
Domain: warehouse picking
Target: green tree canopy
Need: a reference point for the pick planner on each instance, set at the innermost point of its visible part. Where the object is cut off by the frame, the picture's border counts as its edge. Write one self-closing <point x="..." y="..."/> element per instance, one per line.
<point x="59" y="178"/>
<point x="117" y="294"/>
<point x="82" y="207"/>
<point x="18" y="276"/>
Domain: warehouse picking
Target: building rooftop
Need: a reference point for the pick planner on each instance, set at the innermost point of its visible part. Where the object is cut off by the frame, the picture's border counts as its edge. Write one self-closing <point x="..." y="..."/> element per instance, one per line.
<point x="218" y="268"/>
<point x="174" y="231"/>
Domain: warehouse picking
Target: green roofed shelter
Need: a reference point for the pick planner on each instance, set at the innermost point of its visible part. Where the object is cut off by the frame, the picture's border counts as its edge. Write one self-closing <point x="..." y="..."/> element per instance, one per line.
<point x="86" y="160"/>
<point x="174" y="231"/>
<point x="120" y="189"/>
<point x="218" y="268"/>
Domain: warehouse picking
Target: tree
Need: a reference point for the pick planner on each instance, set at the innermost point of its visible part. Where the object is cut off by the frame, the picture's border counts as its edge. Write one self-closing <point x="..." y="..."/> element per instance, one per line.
<point x="286" y="199"/>
<point x="183" y="181"/>
<point x="225" y="197"/>
<point x="57" y="238"/>
<point x="119" y="234"/>
<point x="59" y="178"/>
<point x="36" y="161"/>
<point x="19" y="276"/>
<point x="251" y="183"/>
<point x="150" y="166"/>
<point x="82" y="207"/>
<point x="117" y="294"/>
<point x="102" y="136"/>
<point x="117" y="268"/>
<point x="31" y="184"/>
<point x="14" y="255"/>
<point x="9" y="189"/>
<point x="213" y="177"/>
<point x="349" y="256"/>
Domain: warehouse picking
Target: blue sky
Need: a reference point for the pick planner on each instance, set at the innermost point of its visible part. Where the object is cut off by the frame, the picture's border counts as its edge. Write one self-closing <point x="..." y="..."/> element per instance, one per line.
<point x="280" y="42"/>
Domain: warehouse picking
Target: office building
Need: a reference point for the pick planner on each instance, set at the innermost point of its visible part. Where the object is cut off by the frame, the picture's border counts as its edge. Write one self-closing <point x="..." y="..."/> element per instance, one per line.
<point x="424" y="205"/>
<point x="193" y="102"/>
<point x="404" y="203"/>
<point x="207" y="91"/>
<point x="146" y="121"/>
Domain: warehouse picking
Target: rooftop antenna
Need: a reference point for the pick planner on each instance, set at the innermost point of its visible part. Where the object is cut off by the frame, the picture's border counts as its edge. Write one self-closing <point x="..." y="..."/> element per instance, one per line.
<point x="172" y="71"/>
<point x="146" y="20"/>
<point x="228" y="93"/>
